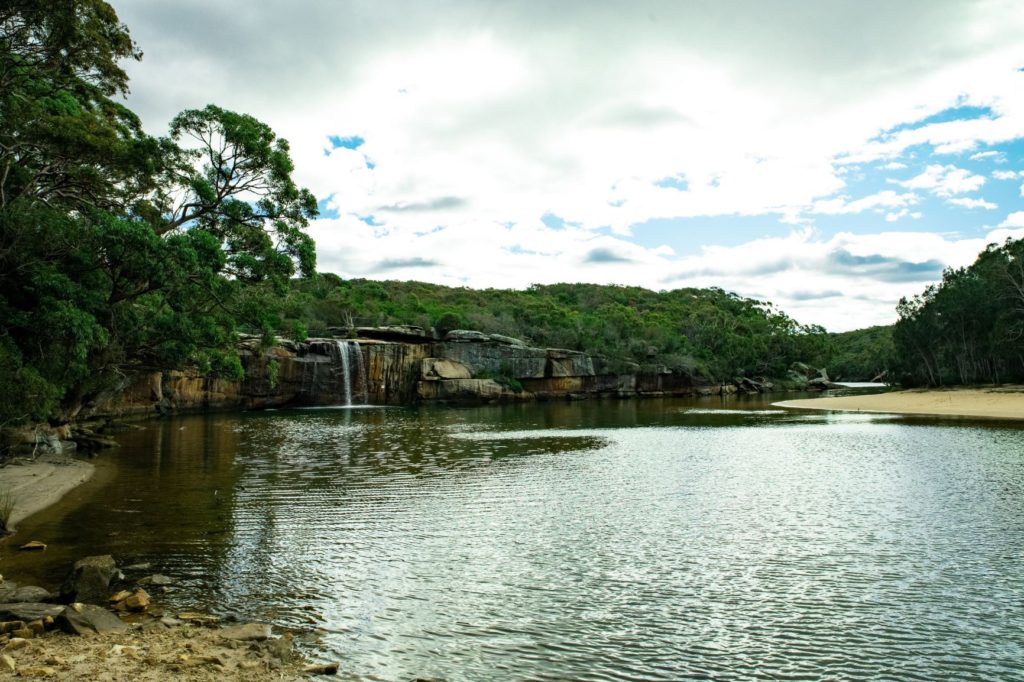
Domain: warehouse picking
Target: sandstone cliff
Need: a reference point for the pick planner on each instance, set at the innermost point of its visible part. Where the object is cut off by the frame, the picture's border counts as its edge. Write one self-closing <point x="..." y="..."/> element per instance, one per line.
<point x="399" y="366"/>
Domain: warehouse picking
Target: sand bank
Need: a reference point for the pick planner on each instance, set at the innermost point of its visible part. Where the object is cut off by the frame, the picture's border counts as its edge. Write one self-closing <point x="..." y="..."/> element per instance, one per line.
<point x="992" y="403"/>
<point x="39" y="483"/>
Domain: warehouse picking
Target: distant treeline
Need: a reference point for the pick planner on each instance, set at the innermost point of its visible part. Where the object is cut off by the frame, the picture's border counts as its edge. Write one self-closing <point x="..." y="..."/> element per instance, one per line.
<point x="708" y="332"/>
<point x="969" y="328"/>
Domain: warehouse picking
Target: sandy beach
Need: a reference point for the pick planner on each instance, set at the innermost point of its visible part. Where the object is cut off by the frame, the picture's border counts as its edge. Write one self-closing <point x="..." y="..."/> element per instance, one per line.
<point x="992" y="403"/>
<point x="39" y="483"/>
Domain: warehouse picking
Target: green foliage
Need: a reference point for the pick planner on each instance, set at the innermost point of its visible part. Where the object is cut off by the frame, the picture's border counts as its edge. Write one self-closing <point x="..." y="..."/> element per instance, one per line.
<point x="861" y="355"/>
<point x="120" y="251"/>
<point x="272" y="372"/>
<point x="447" y="321"/>
<point x="968" y="328"/>
<point x="714" y="333"/>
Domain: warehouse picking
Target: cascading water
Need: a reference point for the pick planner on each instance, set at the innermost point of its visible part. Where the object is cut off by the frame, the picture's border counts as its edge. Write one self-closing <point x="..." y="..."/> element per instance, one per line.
<point x="350" y="354"/>
<point x="346" y="375"/>
<point x="361" y="373"/>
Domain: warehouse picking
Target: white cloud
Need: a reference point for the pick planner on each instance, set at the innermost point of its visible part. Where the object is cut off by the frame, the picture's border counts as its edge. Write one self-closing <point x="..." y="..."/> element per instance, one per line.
<point x="944" y="181"/>
<point x="479" y="116"/>
<point x="878" y="201"/>
<point x="1014" y="220"/>
<point x="1005" y="175"/>
<point x="967" y="202"/>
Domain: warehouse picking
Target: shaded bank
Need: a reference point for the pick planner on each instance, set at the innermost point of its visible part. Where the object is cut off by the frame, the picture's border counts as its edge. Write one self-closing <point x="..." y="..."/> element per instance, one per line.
<point x="36" y="484"/>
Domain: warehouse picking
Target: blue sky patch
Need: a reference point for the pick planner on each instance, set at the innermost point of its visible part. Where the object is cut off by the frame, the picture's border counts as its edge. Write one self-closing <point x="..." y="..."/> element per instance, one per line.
<point x="325" y="212"/>
<point x="675" y="182"/>
<point x="960" y="113"/>
<point x="552" y="221"/>
<point x="339" y="142"/>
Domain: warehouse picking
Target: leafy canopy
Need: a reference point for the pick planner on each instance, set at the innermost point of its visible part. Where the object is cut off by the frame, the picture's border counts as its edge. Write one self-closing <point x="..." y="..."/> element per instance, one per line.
<point x="119" y="250"/>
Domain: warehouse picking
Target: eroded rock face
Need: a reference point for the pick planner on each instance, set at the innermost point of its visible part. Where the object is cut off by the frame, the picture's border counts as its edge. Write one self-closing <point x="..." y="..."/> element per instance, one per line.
<point x="493" y="358"/>
<point x="433" y="369"/>
<point x="464" y="390"/>
<point x="399" y="366"/>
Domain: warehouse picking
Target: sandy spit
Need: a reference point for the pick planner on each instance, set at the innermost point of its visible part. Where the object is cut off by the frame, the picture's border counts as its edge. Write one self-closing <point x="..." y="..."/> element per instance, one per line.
<point x="990" y="403"/>
<point x="39" y="483"/>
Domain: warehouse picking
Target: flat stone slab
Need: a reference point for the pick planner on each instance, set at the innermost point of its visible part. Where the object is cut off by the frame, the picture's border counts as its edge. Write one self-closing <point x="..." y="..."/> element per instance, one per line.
<point x="80" y="619"/>
<point x="31" y="593"/>
<point x="29" y="611"/>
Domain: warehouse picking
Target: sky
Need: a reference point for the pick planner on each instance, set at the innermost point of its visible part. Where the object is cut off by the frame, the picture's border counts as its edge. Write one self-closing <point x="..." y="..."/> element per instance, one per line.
<point x="829" y="157"/>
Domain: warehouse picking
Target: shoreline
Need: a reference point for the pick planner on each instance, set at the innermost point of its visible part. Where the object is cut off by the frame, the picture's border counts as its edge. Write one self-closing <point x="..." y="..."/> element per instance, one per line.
<point x="1003" y="403"/>
<point x="41" y="483"/>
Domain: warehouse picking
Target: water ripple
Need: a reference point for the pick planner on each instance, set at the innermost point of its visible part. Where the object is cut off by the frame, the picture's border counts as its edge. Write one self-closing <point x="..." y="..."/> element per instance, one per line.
<point x="601" y="542"/>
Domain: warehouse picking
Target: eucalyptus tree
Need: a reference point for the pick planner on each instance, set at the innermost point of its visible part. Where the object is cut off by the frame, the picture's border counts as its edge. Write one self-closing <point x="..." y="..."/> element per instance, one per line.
<point x="121" y="251"/>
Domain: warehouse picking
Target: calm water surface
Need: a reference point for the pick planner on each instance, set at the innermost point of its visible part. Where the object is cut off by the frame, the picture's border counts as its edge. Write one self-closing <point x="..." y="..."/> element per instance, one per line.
<point x="641" y="540"/>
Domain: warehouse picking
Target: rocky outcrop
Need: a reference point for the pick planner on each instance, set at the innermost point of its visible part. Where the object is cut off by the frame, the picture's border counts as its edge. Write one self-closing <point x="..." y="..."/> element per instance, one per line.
<point x="474" y="367"/>
<point x="400" y="365"/>
<point x="810" y="379"/>
<point x="313" y="372"/>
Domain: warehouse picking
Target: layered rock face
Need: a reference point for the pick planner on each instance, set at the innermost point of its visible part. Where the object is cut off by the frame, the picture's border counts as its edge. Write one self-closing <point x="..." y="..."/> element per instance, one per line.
<point x="315" y="372"/>
<point x="469" y="366"/>
<point x="397" y="366"/>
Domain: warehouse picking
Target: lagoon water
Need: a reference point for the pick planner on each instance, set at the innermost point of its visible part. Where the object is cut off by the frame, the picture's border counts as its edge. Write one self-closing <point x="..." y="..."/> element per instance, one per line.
<point x="657" y="539"/>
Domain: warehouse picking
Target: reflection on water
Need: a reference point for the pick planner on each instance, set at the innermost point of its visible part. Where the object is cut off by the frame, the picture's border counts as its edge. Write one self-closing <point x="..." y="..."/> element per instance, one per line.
<point x="659" y="539"/>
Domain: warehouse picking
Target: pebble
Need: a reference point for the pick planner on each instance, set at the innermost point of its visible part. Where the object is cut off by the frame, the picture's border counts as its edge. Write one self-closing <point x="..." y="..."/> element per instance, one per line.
<point x="15" y="644"/>
<point x="38" y="671"/>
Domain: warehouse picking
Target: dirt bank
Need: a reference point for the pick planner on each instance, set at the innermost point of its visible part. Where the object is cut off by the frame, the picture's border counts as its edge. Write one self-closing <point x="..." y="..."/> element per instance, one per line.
<point x="153" y="655"/>
<point x="991" y="403"/>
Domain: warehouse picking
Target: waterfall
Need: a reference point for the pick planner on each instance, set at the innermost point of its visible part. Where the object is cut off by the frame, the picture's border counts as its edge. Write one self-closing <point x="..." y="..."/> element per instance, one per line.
<point x="361" y="373"/>
<point x="346" y="374"/>
<point x="353" y="372"/>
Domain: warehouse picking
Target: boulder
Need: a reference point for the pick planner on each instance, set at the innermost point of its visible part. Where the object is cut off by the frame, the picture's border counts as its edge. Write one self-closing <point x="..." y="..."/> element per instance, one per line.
<point x="397" y="332"/>
<point x="507" y="340"/>
<point x="9" y="626"/>
<point x="157" y="579"/>
<point x="748" y="385"/>
<point x="81" y="619"/>
<point x="568" y="363"/>
<point x="432" y="369"/>
<point x="138" y="601"/>
<point x="89" y="580"/>
<point x="465" y="335"/>
<point x="464" y="390"/>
